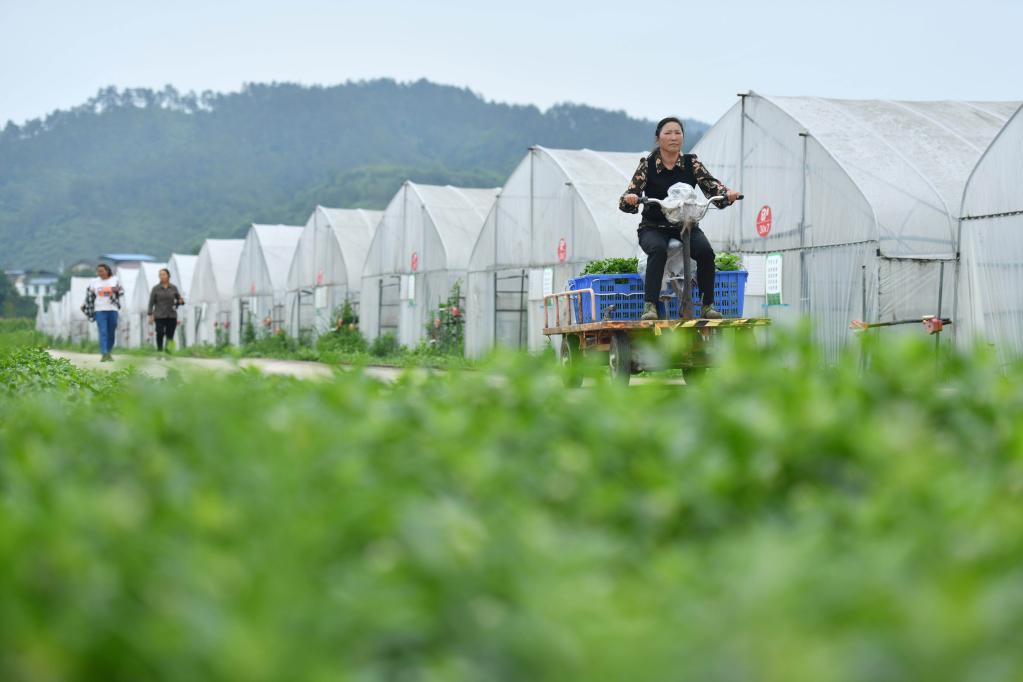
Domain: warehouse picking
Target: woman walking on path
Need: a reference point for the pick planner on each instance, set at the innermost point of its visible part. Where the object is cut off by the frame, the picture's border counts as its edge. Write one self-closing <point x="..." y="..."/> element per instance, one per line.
<point x="102" y="303"/>
<point x="163" y="302"/>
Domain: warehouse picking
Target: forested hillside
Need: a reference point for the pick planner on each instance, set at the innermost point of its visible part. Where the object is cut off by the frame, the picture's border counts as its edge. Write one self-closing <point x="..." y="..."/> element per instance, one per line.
<point x="156" y="171"/>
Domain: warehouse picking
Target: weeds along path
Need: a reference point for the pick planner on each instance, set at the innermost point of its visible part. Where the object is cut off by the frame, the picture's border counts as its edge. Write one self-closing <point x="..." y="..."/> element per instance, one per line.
<point x="157" y="368"/>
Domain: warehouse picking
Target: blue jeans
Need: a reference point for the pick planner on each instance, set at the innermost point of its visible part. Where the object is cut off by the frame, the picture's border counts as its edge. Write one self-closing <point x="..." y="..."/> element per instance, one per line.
<point x="106" y="320"/>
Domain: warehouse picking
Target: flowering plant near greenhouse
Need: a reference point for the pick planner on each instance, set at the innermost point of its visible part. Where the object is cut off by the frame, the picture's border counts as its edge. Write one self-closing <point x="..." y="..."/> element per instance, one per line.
<point x="778" y="521"/>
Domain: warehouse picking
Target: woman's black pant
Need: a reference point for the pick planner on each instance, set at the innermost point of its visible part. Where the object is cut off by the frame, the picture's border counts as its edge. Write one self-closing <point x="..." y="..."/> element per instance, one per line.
<point x="165" y="327"/>
<point x="654" y="242"/>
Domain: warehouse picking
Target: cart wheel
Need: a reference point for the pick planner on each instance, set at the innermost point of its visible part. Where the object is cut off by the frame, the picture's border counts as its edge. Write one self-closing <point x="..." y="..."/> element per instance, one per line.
<point x="694" y="375"/>
<point x="620" y="358"/>
<point x="571" y="361"/>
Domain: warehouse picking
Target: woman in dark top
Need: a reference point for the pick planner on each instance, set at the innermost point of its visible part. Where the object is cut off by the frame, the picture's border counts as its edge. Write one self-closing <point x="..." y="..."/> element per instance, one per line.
<point x="163" y="302"/>
<point x="665" y="166"/>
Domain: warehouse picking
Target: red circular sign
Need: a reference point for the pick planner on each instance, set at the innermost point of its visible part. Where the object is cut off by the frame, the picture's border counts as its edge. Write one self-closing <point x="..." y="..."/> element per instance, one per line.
<point x="764" y="221"/>
<point x="562" y="250"/>
<point x="319" y="277"/>
<point x="415" y="261"/>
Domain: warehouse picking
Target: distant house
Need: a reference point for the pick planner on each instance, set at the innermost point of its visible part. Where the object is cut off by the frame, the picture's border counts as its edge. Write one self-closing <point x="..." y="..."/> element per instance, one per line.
<point x="126" y="260"/>
<point x="33" y="283"/>
<point x="40" y="284"/>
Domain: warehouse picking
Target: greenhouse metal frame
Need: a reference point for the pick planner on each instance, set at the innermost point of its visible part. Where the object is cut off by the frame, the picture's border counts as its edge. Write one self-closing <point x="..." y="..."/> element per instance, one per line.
<point x="182" y="269"/>
<point x="988" y="305"/>
<point x="852" y="205"/>
<point x="260" y="286"/>
<point x="142" y="331"/>
<point x="557" y="211"/>
<point x="212" y="289"/>
<point x="327" y="268"/>
<point x="420" y="250"/>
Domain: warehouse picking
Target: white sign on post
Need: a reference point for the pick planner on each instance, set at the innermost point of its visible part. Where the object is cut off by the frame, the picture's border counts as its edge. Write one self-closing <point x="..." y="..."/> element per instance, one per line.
<point x="773" y="278"/>
<point x="320" y="298"/>
<point x="548" y="281"/>
<point x="411" y="289"/>
<point x="755" y="265"/>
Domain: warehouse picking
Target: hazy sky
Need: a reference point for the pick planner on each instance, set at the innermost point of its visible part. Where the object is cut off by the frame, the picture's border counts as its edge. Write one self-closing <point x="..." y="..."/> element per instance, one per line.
<point x="650" y="59"/>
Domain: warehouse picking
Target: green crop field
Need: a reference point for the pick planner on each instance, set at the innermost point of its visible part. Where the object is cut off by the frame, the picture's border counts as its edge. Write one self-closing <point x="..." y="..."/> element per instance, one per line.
<point x="779" y="521"/>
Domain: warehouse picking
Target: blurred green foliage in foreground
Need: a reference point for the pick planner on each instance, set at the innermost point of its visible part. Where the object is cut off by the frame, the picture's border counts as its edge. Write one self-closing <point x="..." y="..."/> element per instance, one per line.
<point x="778" y="521"/>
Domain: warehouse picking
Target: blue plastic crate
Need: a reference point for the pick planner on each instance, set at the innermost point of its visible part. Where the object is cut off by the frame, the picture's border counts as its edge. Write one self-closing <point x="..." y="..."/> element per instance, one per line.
<point x="729" y="292"/>
<point x="624" y="292"/>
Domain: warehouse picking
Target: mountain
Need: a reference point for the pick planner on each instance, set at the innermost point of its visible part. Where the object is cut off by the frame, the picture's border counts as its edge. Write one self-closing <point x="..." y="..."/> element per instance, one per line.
<point x="159" y="171"/>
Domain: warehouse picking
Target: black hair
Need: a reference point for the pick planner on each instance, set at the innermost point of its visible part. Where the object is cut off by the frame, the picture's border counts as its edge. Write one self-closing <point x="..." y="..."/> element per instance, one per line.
<point x="110" y="273"/>
<point x="665" y="121"/>
<point x="167" y="271"/>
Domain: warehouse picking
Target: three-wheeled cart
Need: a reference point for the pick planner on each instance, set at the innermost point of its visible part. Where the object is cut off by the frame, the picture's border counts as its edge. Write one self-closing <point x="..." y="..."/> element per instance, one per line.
<point x="615" y="341"/>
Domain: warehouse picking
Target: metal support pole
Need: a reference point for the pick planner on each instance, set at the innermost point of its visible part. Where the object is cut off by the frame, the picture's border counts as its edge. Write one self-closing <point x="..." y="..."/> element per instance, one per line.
<point x="742" y="153"/>
<point x="804" y="284"/>
<point x="497" y="221"/>
<point x="863" y="313"/>
<point x="941" y="290"/>
<point x="522" y="307"/>
<point x="955" y="284"/>
<point x="686" y="304"/>
<point x="494" y="310"/>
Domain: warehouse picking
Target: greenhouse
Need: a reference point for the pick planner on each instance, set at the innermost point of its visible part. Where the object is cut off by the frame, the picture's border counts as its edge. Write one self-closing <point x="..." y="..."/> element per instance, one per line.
<point x="72" y="323"/>
<point x="988" y="305"/>
<point x="136" y="312"/>
<point x="212" y="289"/>
<point x="42" y="319"/>
<point x="48" y="318"/>
<point x="127" y="325"/>
<point x="261" y="282"/>
<point x="327" y="268"/>
<point x="419" y="252"/>
<point x="851" y="208"/>
<point x="182" y="269"/>
<point x="558" y="210"/>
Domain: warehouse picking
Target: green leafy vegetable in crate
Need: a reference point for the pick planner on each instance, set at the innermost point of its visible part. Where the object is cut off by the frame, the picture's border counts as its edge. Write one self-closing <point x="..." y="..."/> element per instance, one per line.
<point x="728" y="261"/>
<point x="611" y="266"/>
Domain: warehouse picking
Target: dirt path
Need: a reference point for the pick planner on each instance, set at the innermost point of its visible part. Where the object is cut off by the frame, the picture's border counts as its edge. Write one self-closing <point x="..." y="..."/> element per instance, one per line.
<point x="158" y="368"/>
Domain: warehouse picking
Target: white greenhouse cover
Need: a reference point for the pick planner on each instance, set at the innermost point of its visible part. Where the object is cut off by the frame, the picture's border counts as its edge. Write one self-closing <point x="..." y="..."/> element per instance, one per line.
<point x="327" y="267"/>
<point x="422" y="244"/>
<point x="266" y="259"/>
<point x="140" y="331"/>
<point x="60" y="322"/>
<point x="128" y="326"/>
<point x="212" y="288"/>
<point x="48" y="323"/>
<point x="40" y="321"/>
<point x="557" y="211"/>
<point x="127" y="277"/>
<point x="182" y="269"/>
<point x="149" y="275"/>
<point x="75" y="324"/>
<point x="260" y="286"/>
<point x="859" y="199"/>
<point x="215" y="270"/>
<point x="332" y="249"/>
<point x="989" y="297"/>
<point x="56" y="314"/>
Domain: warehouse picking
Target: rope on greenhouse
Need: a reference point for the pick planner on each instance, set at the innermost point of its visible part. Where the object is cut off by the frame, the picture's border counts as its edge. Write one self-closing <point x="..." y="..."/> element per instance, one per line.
<point x="1007" y="214"/>
<point x="802" y="248"/>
